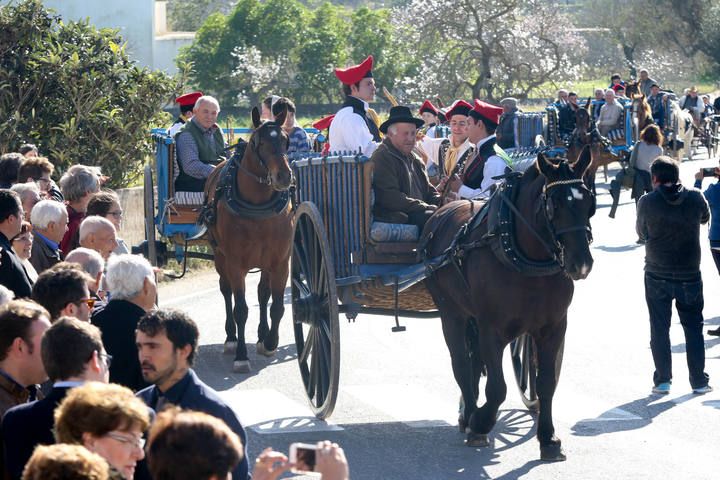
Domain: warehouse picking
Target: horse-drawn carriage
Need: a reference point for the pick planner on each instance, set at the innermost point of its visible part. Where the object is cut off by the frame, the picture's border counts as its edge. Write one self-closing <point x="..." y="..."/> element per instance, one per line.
<point x="172" y="230"/>
<point x="344" y="261"/>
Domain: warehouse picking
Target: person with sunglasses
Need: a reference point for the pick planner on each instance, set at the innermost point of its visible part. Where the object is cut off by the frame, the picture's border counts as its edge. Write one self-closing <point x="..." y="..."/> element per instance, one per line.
<point x="72" y="353"/>
<point x="106" y="419"/>
<point x="132" y="291"/>
<point x="63" y="290"/>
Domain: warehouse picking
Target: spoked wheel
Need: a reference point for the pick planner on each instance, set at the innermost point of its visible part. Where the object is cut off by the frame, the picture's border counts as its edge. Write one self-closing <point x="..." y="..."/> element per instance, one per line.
<point x="149" y="207"/>
<point x="315" y="311"/>
<point x="524" y="361"/>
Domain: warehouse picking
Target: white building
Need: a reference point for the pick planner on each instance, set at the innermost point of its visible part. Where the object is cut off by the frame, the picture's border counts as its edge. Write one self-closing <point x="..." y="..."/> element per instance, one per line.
<point x="142" y="24"/>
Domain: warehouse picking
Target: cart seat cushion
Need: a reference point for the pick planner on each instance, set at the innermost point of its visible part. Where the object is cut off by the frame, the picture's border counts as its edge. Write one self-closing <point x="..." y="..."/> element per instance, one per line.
<point x="189" y="198"/>
<point x="394" y="232"/>
<point x="616" y="134"/>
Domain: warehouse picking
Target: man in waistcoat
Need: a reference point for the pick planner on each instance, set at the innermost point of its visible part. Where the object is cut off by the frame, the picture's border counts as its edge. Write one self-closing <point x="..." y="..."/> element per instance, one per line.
<point x="476" y="180"/>
<point x="187" y="104"/>
<point x="507" y="131"/>
<point x="352" y="130"/>
<point x="655" y="100"/>
<point x="693" y="104"/>
<point x="444" y="154"/>
<point x="199" y="146"/>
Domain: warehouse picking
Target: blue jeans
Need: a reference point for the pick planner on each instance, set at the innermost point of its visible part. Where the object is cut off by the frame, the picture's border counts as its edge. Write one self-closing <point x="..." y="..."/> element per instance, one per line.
<point x="688" y="296"/>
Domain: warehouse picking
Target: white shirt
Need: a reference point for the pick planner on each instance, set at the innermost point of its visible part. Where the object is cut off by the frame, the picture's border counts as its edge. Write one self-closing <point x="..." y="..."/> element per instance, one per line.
<point x="349" y="132"/>
<point x="174" y="129"/>
<point x="494" y="167"/>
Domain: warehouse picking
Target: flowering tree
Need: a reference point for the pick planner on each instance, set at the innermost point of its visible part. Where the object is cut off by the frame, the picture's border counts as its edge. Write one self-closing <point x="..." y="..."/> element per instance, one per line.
<point x="489" y="49"/>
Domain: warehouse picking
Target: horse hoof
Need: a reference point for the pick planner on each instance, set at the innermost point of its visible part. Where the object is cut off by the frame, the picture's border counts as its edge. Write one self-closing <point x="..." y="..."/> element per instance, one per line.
<point x="230" y="347"/>
<point x="477" y="440"/>
<point x="241" y="366"/>
<point x="462" y="424"/>
<point x="552" y="453"/>
<point x="261" y="350"/>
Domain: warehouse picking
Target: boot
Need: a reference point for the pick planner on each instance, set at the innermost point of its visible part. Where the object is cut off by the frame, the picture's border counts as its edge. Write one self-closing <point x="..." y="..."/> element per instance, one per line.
<point x="615" y="194"/>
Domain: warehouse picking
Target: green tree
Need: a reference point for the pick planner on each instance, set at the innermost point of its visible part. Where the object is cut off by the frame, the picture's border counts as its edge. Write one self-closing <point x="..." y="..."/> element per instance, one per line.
<point x="323" y="48"/>
<point x="189" y="15"/>
<point x="72" y="89"/>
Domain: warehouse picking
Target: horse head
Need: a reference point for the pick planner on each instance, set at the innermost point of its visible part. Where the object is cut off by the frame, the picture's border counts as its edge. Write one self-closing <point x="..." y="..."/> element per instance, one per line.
<point x="568" y="206"/>
<point x="268" y="145"/>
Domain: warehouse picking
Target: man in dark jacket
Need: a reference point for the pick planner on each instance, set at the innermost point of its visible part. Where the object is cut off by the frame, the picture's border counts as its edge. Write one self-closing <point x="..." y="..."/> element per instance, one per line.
<point x="49" y="220"/>
<point x="403" y="192"/>
<point x="167" y="342"/>
<point x="132" y="292"/>
<point x="668" y="220"/>
<point x="72" y="353"/>
<point x="12" y="273"/>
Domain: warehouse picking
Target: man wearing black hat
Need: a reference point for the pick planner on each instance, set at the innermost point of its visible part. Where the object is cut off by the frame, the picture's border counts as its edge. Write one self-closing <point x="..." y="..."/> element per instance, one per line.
<point x="403" y="193"/>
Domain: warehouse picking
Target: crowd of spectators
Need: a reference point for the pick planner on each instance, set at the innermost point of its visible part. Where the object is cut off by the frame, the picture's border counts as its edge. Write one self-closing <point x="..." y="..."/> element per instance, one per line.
<point x="90" y="368"/>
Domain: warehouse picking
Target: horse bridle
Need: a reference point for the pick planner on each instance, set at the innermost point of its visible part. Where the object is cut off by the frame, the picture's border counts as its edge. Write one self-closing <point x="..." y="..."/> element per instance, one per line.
<point x="549" y="209"/>
<point x="267" y="179"/>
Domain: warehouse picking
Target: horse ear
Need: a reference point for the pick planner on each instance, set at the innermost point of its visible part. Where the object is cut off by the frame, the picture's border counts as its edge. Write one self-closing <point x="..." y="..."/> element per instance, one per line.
<point x="255" y="117"/>
<point x="280" y="119"/>
<point x="544" y="165"/>
<point x="583" y="161"/>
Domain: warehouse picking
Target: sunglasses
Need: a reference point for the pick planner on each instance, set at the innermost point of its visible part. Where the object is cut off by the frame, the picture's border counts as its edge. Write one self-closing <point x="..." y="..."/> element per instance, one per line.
<point x="90" y="302"/>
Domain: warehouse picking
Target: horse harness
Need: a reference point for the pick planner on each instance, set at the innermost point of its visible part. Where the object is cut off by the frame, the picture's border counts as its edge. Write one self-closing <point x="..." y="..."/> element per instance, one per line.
<point x="227" y="190"/>
<point x="500" y="214"/>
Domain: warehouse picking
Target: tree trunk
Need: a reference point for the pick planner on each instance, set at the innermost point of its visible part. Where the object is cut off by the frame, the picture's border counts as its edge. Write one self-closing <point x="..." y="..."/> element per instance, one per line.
<point x="629" y="52"/>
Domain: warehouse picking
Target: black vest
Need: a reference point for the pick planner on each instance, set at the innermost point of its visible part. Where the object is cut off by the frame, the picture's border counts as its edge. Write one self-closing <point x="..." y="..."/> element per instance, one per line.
<point x="506" y="130"/>
<point x="359" y="109"/>
<point x="461" y="161"/>
<point x="473" y="176"/>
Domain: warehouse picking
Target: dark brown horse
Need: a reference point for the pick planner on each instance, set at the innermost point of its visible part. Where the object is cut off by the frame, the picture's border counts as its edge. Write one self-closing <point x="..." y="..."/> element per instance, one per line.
<point x="485" y="303"/>
<point x="253" y="231"/>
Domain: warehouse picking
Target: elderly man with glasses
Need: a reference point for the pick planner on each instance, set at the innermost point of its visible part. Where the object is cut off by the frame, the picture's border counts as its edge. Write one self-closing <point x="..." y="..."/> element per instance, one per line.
<point x="131" y="292"/>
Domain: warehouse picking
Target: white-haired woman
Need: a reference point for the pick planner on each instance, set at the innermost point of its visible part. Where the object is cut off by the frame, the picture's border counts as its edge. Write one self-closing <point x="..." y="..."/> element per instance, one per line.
<point x="132" y="291"/>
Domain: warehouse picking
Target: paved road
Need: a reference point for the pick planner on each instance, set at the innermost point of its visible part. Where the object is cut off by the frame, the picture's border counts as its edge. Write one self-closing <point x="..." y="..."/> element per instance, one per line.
<point x="396" y="411"/>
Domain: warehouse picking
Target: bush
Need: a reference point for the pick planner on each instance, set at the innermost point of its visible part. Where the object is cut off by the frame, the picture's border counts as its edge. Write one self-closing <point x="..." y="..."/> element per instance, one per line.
<point x="72" y="90"/>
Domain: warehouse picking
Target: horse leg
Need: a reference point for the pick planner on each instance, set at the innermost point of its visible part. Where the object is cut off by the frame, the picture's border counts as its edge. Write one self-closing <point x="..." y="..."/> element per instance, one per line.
<point x="548" y="370"/>
<point x="241" y="363"/>
<point x="278" y="280"/>
<point x="485" y="417"/>
<point x="454" y="330"/>
<point x="230" y="330"/>
<point x="263" y="297"/>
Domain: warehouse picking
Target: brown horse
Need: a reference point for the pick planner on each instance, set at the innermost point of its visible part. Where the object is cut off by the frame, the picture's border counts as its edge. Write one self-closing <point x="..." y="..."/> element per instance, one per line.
<point x="253" y="231"/>
<point x="643" y="111"/>
<point x="587" y="134"/>
<point x="485" y="300"/>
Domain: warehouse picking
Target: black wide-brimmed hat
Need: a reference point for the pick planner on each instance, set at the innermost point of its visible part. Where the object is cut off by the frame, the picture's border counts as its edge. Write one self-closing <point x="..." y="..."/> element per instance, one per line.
<point x="401" y="114"/>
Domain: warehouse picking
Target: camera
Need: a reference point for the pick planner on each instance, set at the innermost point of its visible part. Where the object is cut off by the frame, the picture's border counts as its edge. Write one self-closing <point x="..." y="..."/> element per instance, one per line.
<point x="708" y="172"/>
<point x="303" y="456"/>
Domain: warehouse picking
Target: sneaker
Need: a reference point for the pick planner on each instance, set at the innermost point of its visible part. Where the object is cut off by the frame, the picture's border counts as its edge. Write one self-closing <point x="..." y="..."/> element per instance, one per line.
<point x="702" y="390"/>
<point x="715" y="332"/>
<point x="662" y="388"/>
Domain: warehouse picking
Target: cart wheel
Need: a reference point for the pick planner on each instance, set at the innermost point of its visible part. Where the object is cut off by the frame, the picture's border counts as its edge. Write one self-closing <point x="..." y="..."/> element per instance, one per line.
<point x="315" y="311"/>
<point x="149" y="206"/>
<point x="524" y="361"/>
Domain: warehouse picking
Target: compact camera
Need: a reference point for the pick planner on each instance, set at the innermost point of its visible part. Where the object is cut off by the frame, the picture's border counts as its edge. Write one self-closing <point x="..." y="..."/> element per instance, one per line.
<point x="303" y="456"/>
<point x="708" y="172"/>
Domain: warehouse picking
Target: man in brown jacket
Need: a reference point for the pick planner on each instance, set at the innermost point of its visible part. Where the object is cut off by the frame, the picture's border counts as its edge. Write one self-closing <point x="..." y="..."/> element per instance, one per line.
<point x="403" y="193"/>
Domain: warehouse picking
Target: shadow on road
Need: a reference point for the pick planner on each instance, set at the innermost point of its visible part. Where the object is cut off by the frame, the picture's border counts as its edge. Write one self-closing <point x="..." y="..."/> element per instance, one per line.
<point x="217" y="366"/>
<point x="621" y="248"/>
<point x="628" y="416"/>
<point x="402" y="451"/>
